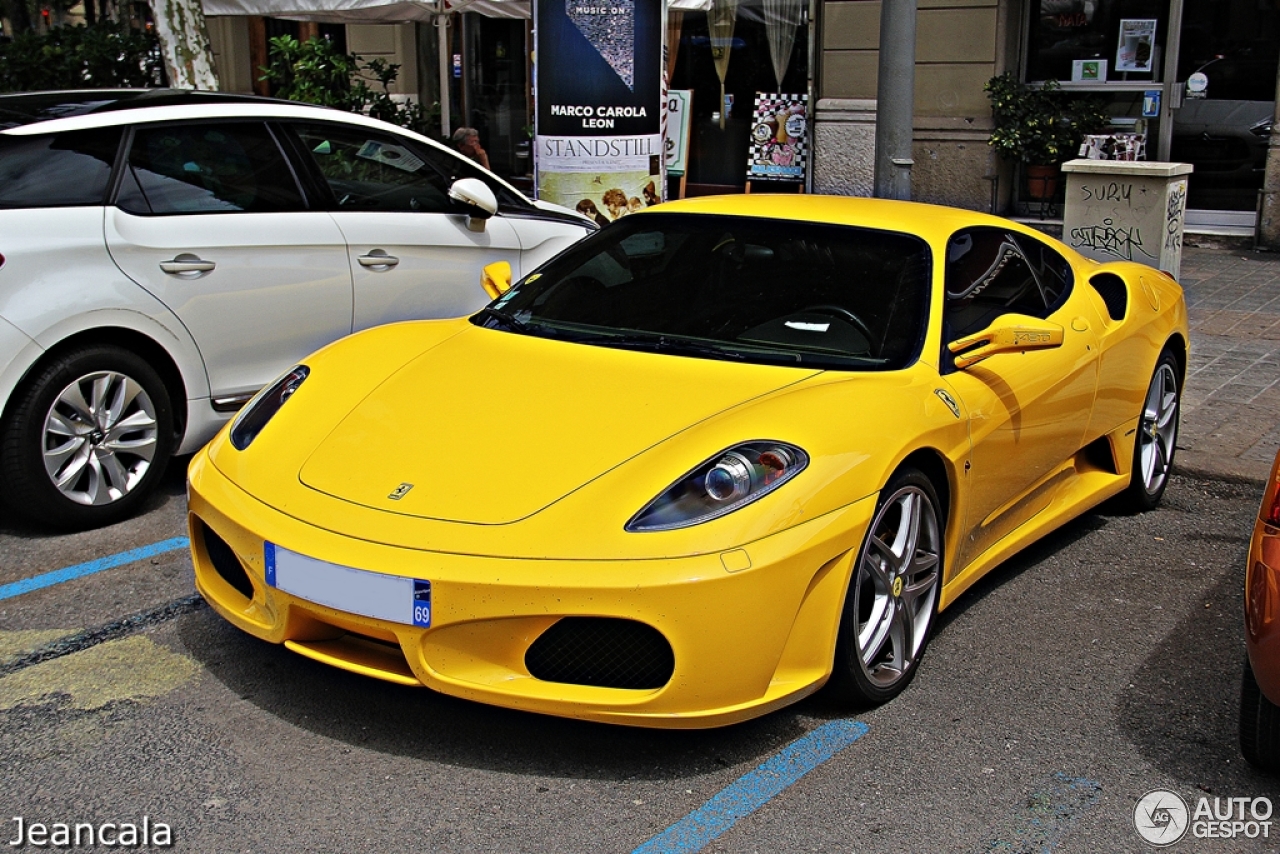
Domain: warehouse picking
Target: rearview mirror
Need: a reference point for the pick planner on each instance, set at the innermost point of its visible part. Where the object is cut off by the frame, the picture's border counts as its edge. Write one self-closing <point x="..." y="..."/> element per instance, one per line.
<point x="1010" y="333"/>
<point x="495" y="278"/>
<point x="477" y="200"/>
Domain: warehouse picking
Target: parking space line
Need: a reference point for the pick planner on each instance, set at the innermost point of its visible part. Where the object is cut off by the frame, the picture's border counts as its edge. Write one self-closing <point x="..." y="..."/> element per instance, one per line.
<point x="57" y="576"/>
<point x="88" y="638"/>
<point x="752" y="791"/>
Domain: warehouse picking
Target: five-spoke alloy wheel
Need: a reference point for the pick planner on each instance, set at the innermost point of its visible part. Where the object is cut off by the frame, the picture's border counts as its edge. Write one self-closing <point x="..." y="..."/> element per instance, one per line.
<point x="893" y="593"/>
<point x="1157" y="435"/>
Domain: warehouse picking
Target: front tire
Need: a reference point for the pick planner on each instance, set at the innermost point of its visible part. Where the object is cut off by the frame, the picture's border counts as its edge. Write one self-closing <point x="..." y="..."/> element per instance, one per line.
<point x="1157" y="438"/>
<point x="1259" y="725"/>
<point x="892" y="600"/>
<point x="86" y="439"/>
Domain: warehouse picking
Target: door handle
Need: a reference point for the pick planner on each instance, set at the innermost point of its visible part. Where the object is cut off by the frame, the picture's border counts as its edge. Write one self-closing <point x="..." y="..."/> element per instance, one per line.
<point x="377" y="258"/>
<point x="187" y="263"/>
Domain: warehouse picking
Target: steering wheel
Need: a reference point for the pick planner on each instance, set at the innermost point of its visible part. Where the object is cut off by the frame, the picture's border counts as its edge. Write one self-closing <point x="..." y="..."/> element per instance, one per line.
<point x="842" y="313"/>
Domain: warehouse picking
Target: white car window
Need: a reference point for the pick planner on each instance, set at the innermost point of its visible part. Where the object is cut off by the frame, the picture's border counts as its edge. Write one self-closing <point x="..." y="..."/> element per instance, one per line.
<point x="66" y="169"/>
<point x="383" y="172"/>
<point x="207" y="168"/>
<point x="373" y="172"/>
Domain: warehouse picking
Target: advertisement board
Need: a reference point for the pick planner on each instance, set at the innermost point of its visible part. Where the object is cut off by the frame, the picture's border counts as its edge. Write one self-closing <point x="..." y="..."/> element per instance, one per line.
<point x="598" y="145"/>
<point x="779" y="145"/>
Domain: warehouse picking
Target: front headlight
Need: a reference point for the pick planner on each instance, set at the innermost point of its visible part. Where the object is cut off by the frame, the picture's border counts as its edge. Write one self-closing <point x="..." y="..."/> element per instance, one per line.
<point x="731" y="479"/>
<point x="257" y="412"/>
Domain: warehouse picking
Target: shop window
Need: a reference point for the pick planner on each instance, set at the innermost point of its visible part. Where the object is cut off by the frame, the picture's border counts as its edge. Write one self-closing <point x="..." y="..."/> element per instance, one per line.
<point x="1097" y="41"/>
<point x="718" y="155"/>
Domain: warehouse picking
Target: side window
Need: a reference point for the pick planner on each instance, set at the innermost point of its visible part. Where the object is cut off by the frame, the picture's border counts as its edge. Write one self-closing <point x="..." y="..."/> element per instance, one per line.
<point x="59" y="170"/>
<point x="991" y="272"/>
<point x="372" y="171"/>
<point x="454" y="166"/>
<point x="207" y="168"/>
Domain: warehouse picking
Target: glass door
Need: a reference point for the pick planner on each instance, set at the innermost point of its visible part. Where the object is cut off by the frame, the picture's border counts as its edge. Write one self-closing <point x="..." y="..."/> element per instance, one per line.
<point x="1227" y="61"/>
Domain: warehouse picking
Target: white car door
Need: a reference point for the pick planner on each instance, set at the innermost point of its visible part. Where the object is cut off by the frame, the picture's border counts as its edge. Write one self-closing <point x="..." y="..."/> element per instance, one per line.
<point x="210" y="219"/>
<point x="412" y="252"/>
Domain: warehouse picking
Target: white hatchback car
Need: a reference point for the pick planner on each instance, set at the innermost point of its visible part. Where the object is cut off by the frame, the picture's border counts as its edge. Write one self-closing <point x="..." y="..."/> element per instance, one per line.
<point x="165" y="254"/>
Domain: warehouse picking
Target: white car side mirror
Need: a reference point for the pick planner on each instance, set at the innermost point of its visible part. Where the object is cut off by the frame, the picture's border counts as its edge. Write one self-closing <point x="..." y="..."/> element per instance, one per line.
<point x="478" y="200"/>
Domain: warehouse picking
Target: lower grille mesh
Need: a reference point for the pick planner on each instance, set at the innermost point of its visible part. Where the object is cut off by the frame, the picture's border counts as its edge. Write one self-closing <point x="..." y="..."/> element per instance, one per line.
<point x="601" y="652"/>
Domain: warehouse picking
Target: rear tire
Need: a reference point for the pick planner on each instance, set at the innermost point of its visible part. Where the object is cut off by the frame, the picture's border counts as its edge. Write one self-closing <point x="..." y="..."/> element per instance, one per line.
<point x="1259" y="725"/>
<point x="86" y="438"/>
<point x="892" y="600"/>
<point x="1157" y="439"/>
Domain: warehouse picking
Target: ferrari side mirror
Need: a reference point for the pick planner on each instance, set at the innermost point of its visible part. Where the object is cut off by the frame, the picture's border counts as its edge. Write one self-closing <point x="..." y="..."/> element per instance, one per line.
<point x="1010" y="333"/>
<point x="495" y="278"/>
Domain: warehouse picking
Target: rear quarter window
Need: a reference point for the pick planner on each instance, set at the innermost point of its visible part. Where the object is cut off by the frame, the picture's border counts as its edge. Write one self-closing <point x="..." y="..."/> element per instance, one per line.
<point x="57" y="170"/>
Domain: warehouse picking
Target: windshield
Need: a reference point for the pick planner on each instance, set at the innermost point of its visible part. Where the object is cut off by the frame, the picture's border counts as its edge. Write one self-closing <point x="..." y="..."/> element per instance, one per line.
<point x="749" y="289"/>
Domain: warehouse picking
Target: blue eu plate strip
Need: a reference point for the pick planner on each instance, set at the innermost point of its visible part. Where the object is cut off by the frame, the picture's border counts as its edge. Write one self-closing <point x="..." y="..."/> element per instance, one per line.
<point x="752" y="791"/>
<point x="269" y="560"/>
<point x="48" y="579"/>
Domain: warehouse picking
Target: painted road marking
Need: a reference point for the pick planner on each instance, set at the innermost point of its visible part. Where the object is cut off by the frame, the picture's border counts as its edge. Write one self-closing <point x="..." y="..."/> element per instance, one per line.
<point x="752" y="791"/>
<point x="48" y="579"/>
<point x="1048" y="815"/>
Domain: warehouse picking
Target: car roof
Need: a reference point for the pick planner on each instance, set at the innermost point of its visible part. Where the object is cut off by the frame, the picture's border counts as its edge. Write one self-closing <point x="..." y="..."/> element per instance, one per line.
<point x="935" y="223"/>
<point x="27" y="108"/>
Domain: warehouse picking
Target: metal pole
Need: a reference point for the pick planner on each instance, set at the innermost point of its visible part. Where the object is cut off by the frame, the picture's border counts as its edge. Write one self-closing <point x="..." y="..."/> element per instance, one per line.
<point x="442" y="46"/>
<point x="1172" y="99"/>
<point x="1269" y="202"/>
<point x="895" y="99"/>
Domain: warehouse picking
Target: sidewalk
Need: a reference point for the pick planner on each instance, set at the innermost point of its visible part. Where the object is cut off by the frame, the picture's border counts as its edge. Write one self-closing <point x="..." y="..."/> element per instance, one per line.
<point x="1231" y="403"/>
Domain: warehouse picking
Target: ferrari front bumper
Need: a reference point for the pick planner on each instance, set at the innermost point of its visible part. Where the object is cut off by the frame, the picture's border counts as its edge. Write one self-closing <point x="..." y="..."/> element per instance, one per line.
<point x="749" y="630"/>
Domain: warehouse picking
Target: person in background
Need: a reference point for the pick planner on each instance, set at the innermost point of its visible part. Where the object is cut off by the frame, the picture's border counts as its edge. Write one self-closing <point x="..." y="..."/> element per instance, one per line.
<point x="467" y="141"/>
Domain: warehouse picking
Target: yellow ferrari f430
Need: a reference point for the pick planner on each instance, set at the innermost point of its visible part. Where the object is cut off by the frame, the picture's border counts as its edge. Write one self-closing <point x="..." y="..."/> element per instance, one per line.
<point x="702" y="463"/>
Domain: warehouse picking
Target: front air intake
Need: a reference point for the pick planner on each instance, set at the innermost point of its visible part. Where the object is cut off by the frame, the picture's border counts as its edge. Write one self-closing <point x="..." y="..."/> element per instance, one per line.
<point x="224" y="561"/>
<point x="601" y="652"/>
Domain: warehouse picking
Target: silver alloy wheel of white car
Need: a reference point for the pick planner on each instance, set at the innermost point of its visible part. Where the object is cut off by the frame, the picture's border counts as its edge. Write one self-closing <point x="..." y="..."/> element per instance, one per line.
<point x="100" y="437"/>
<point x="895" y="586"/>
<point x="1158" y="430"/>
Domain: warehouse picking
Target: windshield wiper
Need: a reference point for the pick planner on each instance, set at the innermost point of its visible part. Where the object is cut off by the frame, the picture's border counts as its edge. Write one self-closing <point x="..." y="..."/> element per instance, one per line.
<point x="661" y="344"/>
<point x="508" y="320"/>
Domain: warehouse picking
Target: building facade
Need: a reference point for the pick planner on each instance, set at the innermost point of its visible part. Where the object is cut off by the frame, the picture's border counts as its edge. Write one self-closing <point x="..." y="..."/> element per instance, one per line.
<point x="1195" y="80"/>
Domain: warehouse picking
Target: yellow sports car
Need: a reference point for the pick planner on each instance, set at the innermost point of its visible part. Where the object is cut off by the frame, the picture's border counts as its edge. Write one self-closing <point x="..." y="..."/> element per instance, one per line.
<point x="703" y="462"/>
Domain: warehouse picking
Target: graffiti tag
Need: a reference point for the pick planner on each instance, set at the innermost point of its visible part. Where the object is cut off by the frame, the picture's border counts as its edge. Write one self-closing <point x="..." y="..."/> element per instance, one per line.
<point x="1111" y="192"/>
<point x="1173" y="218"/>
<point x="1110" y="239"/>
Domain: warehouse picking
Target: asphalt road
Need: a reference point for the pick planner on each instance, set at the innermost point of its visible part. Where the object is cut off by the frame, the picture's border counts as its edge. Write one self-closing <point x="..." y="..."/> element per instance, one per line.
<point x="1099" y="666"/>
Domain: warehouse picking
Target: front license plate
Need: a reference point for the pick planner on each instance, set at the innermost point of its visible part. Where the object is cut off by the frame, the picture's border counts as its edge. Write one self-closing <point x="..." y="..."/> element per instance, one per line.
<point x="344" y="588"/>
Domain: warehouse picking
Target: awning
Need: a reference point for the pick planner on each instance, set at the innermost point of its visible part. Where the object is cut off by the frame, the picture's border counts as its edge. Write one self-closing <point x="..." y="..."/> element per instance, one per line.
<point x="390" y="11"/>
<point x="366" y="11"/>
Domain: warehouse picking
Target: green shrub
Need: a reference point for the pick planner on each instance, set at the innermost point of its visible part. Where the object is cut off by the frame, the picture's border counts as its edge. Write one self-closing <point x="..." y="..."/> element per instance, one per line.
<point x="1041" y="125"/>
<point x="316" y="72"/>
<point x="106" y="55"/>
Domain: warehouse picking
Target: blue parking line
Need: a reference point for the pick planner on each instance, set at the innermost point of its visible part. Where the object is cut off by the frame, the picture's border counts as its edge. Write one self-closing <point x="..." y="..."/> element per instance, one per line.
<point x="752" y="791"/>
<point x="48" y="579"/>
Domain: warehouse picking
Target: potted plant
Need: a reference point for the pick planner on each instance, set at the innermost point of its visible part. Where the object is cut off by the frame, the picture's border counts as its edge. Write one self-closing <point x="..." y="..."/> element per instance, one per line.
<point x="1041" y="126"/>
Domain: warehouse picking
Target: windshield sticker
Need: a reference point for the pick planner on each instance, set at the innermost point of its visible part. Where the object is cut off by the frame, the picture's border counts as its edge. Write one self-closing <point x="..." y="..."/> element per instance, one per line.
<point x="390" y="155"/>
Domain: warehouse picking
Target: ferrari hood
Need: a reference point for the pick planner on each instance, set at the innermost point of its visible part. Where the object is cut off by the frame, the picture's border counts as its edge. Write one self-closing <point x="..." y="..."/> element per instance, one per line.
<point x="490" y="427"/>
